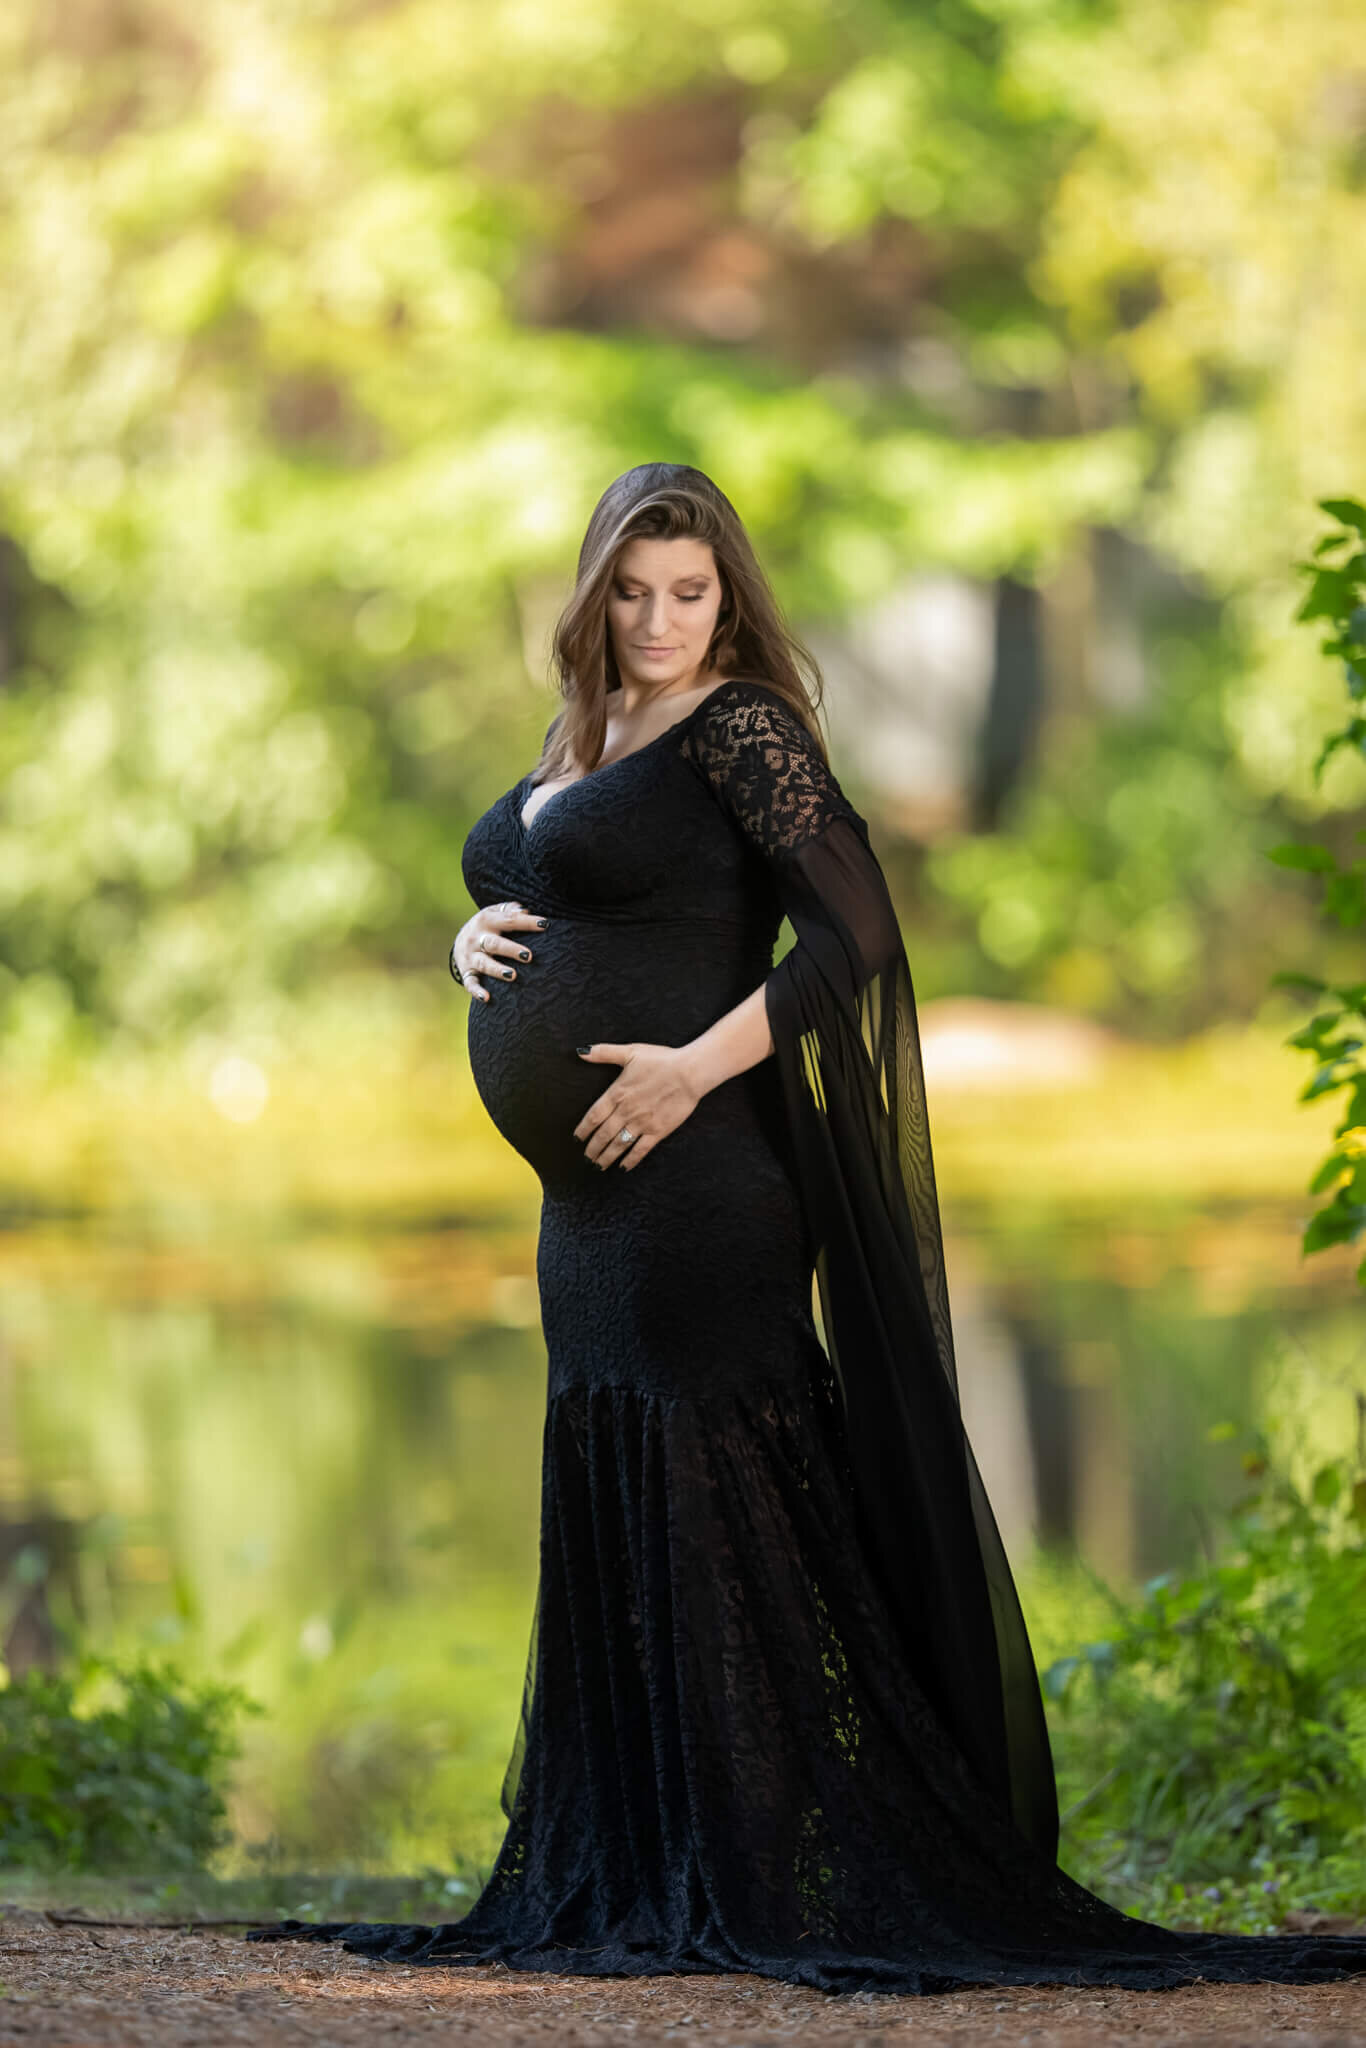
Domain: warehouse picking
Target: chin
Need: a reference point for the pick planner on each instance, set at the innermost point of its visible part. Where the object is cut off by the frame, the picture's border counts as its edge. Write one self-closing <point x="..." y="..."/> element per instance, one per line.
<point x="663" y="671"/>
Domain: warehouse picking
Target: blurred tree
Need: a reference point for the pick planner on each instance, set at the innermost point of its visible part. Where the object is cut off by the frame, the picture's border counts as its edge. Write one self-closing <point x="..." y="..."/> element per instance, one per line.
<point x="324" y="327"/>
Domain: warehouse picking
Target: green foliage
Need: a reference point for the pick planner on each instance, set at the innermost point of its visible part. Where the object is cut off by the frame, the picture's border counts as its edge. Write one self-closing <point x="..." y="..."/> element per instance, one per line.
<point x="294" y="475"/>
<point x="1335" y="1037"/>
<point x="307" y="394"/>
<point x="1213" y="1744"/>
<point x="114" y="1767"/>
<point x="1121" y="881"/>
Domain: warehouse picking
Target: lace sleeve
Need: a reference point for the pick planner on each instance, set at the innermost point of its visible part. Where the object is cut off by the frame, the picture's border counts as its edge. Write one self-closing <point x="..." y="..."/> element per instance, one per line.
<point x="842" y="1013"/>
<point x="769" y="776"/>
<point x="766" y="769"/>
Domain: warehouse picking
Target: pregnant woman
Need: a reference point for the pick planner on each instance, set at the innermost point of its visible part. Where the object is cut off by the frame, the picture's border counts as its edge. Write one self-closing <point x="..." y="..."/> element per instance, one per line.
<point x="781" y="1711"/>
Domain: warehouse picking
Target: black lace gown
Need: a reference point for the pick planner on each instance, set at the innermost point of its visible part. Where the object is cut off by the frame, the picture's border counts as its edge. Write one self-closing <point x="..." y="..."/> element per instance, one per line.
<point x="781" y="1713"/>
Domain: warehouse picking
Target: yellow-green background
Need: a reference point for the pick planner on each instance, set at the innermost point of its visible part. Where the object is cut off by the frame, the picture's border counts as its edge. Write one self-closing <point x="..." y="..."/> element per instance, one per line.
<point x="322" y="328"/>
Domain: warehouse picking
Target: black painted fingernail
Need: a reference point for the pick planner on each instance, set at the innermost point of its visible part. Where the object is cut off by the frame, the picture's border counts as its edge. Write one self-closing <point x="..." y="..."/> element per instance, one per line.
<point x="543" y="922"/>
<point x="583" y="1048"/>
<point x="508" y="973"/>
<point x="524" y="953"/>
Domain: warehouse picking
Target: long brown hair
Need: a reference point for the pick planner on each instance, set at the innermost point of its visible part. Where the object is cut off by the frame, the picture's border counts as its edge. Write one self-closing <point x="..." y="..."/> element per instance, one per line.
<point x="668" y="501"/>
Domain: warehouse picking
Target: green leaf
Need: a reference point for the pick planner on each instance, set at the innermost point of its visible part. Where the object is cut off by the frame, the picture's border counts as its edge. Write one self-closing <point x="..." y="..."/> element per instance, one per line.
<point x="1059" y="1675"/>
<point x="1325" y="1082"/>
<point x="1302" y="853"/>
<point x="1331" y="1171"/>
<point x="1288" y="979"/>
<point x="1299" y="1803"/>
<point x="1327" y="1485"/>
<point x="1340" y="1223"/>
<point x="1315" y="1036"/>
<point x="1352" y="735"/>
<point x="1348" y="510"/>
<point x="1328" y="596"/>
<point x="1344" y="897"/>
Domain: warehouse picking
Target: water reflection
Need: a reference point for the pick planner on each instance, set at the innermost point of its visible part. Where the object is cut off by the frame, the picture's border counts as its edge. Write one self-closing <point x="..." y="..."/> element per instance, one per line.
<point x="1099" y="1353"/>
<point x="312" y="1460"/>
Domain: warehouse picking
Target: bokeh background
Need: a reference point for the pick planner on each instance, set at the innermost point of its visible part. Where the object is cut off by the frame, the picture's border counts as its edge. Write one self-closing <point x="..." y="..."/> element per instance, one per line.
<point x="1024" y="335"/>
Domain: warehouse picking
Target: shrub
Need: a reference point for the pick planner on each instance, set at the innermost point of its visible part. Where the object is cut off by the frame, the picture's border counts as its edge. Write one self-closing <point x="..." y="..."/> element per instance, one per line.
<point x="114" y="1768"/>
<point x="1216" y="1740"/>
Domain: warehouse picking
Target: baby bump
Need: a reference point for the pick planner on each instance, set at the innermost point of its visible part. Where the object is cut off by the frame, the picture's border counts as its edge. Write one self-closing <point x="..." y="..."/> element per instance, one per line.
<point x="590" y="983"/>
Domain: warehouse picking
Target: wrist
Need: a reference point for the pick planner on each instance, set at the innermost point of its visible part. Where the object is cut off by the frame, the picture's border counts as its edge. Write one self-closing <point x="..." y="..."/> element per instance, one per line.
<point x="697" y="1067"/>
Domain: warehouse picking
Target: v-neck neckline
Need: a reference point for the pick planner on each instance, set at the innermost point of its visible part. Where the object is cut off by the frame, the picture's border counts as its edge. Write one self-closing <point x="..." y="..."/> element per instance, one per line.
<point x="528" y="826"/>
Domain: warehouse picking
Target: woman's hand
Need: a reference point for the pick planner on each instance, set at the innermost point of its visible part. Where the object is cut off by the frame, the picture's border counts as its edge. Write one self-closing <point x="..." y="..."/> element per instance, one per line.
<point x="480" y="939"/>
<point x="653" y="1094"/>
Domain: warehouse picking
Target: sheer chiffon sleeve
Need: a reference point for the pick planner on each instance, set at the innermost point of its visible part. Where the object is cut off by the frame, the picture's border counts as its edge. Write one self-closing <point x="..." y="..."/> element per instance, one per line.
<point x="842" y="1012"/>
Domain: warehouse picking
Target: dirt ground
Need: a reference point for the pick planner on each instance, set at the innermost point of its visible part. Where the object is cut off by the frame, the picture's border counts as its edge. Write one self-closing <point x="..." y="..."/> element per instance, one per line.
<point x="92" y="1986"/>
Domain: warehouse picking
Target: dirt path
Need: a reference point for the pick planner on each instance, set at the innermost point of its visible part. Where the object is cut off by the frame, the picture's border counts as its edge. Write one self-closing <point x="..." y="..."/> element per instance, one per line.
<point x="101" y="1987"/>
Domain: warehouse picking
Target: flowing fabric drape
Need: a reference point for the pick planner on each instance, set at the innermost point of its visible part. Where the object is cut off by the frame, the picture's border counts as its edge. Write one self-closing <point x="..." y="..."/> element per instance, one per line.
<point x="842" y="1012"/>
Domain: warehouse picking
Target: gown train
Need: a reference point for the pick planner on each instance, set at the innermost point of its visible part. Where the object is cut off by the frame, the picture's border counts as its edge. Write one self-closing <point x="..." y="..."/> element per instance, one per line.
<point x="781" y="1711"/>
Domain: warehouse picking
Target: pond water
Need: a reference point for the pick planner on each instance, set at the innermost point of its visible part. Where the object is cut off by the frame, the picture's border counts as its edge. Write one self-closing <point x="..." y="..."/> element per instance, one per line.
<point x="309" y="1460"/>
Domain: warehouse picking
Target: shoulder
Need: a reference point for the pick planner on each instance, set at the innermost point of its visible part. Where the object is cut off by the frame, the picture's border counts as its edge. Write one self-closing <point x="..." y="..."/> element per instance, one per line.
<point x="764" y="766"/>
<point x="744" y="713"/>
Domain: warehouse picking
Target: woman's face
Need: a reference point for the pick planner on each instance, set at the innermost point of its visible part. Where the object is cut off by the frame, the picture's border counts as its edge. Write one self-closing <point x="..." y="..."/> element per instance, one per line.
<point x="662" y="606"/>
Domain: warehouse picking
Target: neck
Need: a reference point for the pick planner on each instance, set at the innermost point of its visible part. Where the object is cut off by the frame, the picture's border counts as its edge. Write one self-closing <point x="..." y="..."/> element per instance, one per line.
<point x="634" y="697"/>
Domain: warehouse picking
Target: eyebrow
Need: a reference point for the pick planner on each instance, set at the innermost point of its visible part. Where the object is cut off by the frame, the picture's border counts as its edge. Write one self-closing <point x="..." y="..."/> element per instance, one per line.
<point x="701" y="576"/>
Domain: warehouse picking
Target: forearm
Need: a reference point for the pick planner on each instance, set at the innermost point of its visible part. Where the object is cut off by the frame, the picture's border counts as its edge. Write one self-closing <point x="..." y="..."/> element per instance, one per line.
<point x="731" y="1045"/>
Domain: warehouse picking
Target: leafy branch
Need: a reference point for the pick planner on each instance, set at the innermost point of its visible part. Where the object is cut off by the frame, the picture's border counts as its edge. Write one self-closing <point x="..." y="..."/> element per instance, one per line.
<point x="1335" y="1036"/>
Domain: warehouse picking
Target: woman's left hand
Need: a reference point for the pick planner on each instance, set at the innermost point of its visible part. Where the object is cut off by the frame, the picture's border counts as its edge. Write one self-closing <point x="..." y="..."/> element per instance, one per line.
<point x="653" y="1094"/>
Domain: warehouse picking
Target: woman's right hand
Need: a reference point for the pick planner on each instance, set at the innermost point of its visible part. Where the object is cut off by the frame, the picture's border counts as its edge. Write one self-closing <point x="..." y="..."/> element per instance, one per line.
<point x="480" y="942"/>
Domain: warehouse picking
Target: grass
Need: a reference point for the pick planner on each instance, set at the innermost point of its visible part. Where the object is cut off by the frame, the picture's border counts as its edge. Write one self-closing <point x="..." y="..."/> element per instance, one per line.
<point x="428" y="1897"/>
